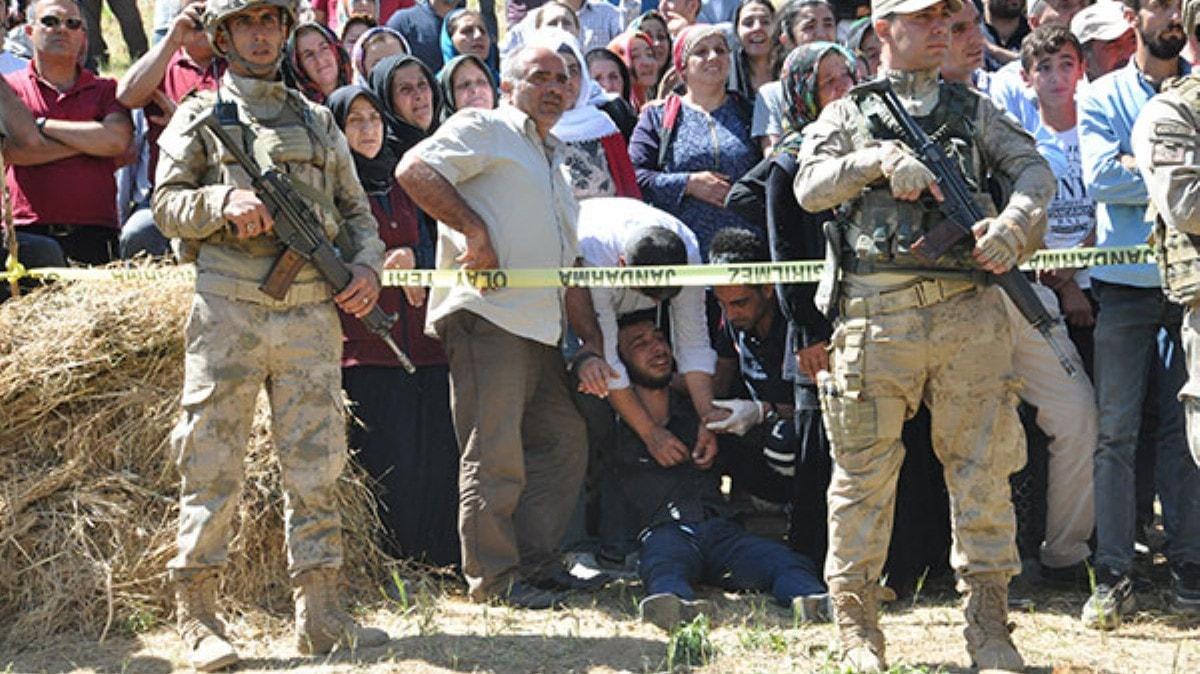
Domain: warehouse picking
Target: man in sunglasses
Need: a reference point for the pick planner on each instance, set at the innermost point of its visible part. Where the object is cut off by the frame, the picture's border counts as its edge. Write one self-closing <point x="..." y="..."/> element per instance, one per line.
<point x="618" y="232"/>
<point x="85" y="129"/>
<point x="239" y="339"/>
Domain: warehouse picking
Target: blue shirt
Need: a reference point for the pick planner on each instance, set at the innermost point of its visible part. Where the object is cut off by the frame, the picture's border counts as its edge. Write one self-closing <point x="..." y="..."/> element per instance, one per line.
<point x="1108" y="108"/>
<point x="422" y="27"/>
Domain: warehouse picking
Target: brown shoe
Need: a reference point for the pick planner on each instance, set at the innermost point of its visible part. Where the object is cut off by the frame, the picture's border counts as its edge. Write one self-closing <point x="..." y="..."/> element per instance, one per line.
<point x="856" y="612"/>
<point x="321" y="622"/>
<point x="988" y="632"/>
<point x="196" y="612"/>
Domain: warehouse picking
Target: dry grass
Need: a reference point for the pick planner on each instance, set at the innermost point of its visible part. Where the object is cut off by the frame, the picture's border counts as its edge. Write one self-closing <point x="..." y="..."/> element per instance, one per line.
<point x="438" y="631"/>
<point x="90" y="375"/>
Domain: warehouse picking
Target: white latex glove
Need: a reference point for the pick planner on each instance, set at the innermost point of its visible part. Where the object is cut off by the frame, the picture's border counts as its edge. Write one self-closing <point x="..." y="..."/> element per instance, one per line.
<point x="743" y="415"/>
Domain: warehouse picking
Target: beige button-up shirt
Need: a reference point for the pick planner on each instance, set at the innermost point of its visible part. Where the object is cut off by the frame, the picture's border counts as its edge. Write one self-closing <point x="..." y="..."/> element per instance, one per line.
<point x="513" y="180"/>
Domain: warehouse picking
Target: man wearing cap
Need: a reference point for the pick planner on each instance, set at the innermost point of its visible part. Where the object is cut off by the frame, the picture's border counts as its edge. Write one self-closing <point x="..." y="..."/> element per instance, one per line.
<point x="239" y="339"/>
<point x="1164" y="142"/>
<point x="1131" y="364"/>
<point x="1107" y="38"/>
<point x="909" y="331"/>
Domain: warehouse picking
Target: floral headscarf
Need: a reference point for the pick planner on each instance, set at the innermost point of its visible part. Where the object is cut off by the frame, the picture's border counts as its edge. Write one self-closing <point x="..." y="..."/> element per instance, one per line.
<point x="799" y="81"/>
<point x="293" y="72"/>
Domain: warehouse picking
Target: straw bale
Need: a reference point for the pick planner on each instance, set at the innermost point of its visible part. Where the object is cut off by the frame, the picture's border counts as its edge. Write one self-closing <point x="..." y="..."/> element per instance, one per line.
<point x="90" y="375"/>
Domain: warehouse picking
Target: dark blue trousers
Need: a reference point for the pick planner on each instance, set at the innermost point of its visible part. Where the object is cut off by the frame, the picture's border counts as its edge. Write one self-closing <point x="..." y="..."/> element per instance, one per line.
<point x="720" y="552"/>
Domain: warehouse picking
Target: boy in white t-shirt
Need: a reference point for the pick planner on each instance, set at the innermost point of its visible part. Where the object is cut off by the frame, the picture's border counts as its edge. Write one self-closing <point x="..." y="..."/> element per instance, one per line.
<point x="1053" y="64"/>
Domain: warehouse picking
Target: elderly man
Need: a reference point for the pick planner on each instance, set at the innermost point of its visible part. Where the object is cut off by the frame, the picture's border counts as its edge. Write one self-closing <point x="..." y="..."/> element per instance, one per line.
<point x="86" y="128"/>
<point x="912" y="330"/>
<point x="240" y="339"/>
<point x="494" y="181"/>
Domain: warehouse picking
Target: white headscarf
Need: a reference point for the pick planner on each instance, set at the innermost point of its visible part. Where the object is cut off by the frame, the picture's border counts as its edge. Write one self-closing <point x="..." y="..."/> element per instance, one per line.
<point x="583" y="121"/>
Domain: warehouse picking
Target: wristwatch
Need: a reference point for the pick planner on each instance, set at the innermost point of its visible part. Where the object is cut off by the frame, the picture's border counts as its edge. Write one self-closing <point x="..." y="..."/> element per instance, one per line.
<point x="41" y="124"/>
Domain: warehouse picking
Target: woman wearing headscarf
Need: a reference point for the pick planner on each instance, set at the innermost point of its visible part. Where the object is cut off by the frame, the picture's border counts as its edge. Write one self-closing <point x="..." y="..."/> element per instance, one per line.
<point x="813" y="76"/>
<point x="316" y="64"/>
<point x="596" y="162"/>
<point x="465" y="82"/>
<point x="609" y="71"/>
<point x="636" y="51"/>
<point x="403" y="432"/>
<point x="752" y="65"/>
<point x="688" y="149"/>
<point x="353" y="29"/>
<point x="410" y="98"/>
<point x="464" y="32"/>
<point x="654" y="25"/>
<point x="372" y="47"/>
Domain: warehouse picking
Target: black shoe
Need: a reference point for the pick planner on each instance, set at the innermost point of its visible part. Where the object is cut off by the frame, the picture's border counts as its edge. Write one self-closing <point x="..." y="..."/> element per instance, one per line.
<point x="521" y="595"/>
<point x="1110" y="602"/>
<point x="562" y="580"/>
<point x="1073" y="577"/>
<point x="1185" y="585"/>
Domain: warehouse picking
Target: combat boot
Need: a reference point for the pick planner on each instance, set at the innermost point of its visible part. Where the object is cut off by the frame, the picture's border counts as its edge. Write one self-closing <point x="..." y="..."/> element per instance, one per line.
<point x="321" y="622"/>
<point x="202" y="633"/>
<point x="988" y="632"/>
<point x="856" y="612"/>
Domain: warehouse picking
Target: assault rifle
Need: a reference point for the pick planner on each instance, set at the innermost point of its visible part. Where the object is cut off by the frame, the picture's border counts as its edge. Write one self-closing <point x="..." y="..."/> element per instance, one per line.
<point x="297" y="227"/>
<point x="961" y="211"/>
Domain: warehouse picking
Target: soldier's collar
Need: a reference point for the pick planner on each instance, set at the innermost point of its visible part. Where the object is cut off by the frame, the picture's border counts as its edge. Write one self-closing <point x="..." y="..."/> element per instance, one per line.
<point x="256" y="90"/>
<point x="913" y="83"/>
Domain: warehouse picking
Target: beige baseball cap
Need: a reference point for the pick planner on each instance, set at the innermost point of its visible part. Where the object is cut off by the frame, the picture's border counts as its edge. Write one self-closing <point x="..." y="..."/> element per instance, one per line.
<point x="881" y="8"/>
<point x="1104" y="20"/>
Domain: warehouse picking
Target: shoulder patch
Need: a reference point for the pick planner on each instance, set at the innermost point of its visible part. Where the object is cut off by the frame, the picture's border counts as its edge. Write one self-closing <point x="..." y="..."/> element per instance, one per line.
<point x="1173" y="128"/>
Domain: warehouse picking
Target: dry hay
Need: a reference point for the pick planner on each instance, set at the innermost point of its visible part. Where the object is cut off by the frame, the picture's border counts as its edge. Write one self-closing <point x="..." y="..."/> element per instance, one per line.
<point x="90" y="375"/>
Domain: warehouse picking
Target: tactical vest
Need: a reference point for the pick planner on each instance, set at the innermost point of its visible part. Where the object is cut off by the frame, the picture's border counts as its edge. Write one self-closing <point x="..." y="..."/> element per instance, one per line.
<point x="290" y="142"/>
<point x="880" y="229"/>
<point x="1178" y="253"/>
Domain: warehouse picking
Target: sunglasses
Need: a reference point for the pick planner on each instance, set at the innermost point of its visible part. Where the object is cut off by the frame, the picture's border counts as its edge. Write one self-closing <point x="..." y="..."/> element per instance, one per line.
<point x="51" y="21"/>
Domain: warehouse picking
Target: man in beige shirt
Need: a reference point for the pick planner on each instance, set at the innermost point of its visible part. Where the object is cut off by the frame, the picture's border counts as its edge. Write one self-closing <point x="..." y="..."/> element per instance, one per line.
<point x="492" y="178"/>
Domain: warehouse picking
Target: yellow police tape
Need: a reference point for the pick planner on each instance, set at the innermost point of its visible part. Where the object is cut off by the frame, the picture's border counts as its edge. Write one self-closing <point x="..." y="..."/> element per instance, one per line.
<point x="605" y="277"/>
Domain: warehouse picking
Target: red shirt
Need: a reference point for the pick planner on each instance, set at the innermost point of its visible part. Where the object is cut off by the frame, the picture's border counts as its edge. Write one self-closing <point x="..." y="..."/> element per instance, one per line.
<point x="183" y="76"/>
<point x="78" y="190"/>
<point x="397" y="229"/>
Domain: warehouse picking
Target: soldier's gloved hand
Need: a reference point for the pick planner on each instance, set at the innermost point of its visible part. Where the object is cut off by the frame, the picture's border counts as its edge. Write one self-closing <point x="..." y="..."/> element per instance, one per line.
<point x="907" y="175"/>
<point x="743" y="415"/>
<point x="998" y="244"/>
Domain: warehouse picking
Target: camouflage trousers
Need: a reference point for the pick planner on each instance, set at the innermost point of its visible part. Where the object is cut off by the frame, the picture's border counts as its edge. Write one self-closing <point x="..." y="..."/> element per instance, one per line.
<point x="1190" y="394"/>
<point x="955" y="355"/>
<point x="234" y="348"/>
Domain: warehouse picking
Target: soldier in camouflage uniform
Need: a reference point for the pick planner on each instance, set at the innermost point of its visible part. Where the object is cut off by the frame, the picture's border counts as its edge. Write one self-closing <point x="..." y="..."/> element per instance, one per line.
<point x="239" y="339"/>
<point x="910" y="332"/>
<point x="1164" y="141"/>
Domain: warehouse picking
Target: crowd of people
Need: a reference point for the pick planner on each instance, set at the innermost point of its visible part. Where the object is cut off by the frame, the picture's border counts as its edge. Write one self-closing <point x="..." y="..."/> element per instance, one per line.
<point x="870" y="414"/>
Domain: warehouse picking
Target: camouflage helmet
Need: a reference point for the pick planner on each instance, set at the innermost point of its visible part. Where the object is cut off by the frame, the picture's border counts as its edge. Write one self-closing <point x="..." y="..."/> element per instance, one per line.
<point x="1191" y="14"/>
<point x="216" y="11"/>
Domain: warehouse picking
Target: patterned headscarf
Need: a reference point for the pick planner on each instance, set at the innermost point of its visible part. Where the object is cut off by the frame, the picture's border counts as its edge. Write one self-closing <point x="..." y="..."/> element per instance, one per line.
<point x="359" y="55"/>
<point x="687" y="40"/>
<point x="293" y="72"/>
<point x="799" y="82"/>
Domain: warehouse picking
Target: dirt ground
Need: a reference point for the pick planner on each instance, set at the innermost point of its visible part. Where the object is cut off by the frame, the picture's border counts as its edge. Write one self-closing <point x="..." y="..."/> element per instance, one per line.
<point x="438" y="631"/>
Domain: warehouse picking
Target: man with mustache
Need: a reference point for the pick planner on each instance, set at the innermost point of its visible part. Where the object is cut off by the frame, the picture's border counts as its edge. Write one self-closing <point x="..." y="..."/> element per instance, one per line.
<point x="1130" y="364"/>
<point x="494" y="181"/>
<point x="909" y="330"/>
